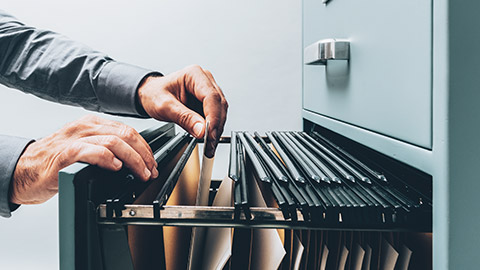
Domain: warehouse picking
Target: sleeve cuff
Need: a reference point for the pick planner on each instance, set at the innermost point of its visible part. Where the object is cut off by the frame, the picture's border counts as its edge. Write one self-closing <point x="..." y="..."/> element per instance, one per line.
<point x="11" y="150"/>
<point x="117" y="88"/>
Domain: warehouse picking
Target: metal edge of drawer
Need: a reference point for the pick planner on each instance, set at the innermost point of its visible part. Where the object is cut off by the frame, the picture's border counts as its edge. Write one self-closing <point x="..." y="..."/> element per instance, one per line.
<point x="407" y="153"/>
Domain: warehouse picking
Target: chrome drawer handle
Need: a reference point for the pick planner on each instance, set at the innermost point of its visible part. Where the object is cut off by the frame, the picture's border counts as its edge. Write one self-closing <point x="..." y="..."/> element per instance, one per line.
<point x="326" y="49"/>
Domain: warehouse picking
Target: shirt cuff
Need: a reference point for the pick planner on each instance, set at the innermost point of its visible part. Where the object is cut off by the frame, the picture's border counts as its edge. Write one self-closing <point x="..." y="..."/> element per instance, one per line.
<point x="117" y="88"/>
<point x="11" y="148"/>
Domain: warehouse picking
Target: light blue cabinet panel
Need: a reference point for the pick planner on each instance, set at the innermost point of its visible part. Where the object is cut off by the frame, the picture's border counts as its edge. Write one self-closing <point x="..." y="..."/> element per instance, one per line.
<point x="386" y="87"/>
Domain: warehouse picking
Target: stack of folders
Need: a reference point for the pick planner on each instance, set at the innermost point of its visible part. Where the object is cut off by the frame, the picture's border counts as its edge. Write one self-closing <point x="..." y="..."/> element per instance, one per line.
<point x="326" y="183"/>
<point x="338" y="211"/>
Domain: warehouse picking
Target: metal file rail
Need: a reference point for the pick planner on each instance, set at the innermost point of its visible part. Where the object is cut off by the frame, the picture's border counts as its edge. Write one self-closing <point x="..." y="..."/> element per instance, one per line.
<point x="315" y="183"/>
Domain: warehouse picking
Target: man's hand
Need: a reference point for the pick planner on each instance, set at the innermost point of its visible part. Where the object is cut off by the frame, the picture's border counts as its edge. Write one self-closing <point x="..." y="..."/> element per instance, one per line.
<point x="184" y="97"/>
<point x="91" y="139"/>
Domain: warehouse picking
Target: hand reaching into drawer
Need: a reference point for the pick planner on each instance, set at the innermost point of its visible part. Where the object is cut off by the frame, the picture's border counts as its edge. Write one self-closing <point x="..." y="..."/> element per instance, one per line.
<point x="186" y="97"/>
<point x="91" y="139"/>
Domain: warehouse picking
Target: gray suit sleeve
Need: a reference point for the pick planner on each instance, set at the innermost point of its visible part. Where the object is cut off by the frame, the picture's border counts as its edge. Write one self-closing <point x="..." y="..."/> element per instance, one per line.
<point x="55" y="68"/>
<point x="11" y="149"/>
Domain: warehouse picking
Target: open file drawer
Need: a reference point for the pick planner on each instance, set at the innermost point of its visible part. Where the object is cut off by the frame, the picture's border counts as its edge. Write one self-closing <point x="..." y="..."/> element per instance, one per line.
<point x="104" y="214"/>
<point x="386" y="85"/>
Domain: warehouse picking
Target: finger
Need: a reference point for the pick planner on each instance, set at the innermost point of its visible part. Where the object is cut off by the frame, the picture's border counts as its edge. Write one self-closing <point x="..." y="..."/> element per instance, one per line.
<point x="89" y="153"/>
<point x="216" y="114"/>
<point x="188" y="119"/>
<point x="197" y="82"/>
<point x="128" y="135"/>
<point x="123" y="151"/>
<point x="224" y="112"/>
<point x="108" y="127"/>
<point x="136" y="141"/>
<point x="129" y="132"/>
<point x="223" y="101"/>
<point x="212" y="80"/>
<point x="214" y="104"/>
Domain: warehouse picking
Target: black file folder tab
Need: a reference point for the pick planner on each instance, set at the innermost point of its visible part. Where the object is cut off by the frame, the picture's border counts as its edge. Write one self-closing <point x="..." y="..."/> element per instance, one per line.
<point x="260" y="170"/>
<point x="303" y="162"/>
<point x="325" y="173"/>
<point x="351" y="159"/>
<point x="233" y="166"/>
<point x="266" y="159"/>
<point x="241" y="197"/>
<point x="171" y="181"/>
<point x="327" y="159"/>
<point x="281" y="174"/>
<point x="161" y="153"/>
<point x="286" y="159"/>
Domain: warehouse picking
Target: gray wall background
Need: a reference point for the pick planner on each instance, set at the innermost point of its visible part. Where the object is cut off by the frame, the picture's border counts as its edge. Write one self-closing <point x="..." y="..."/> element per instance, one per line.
<point x="253" y="48"/>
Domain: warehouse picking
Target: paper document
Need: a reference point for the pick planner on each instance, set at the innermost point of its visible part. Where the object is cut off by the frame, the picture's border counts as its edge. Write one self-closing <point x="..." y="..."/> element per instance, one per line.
<point x="367" y="258"/>
<point x="323" y="262"/>
<point x="218" y="241"/>
<point x="404" y="258"/>
<point x="389" y="256"/>
<point x="198" y="233"/>
<point x="358" y="253"/>
<point x="297" y="252"/>
<point x="267" y="247"/>
<point x="177" y="239"/>
<point x="343" y="258"/>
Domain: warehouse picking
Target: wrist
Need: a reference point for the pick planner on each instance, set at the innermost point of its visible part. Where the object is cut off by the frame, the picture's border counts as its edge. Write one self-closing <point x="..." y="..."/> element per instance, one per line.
<point x="13" y="206"/>
<point x="13" y="200"/>
<point x="138" y="99"/>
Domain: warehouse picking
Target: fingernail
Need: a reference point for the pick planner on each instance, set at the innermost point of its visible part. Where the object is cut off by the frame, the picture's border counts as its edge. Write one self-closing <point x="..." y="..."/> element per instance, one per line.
<point x="117" y="163"/>
<point x="147" y="173"/>
<point x="154" y="173"/>
<point x="197" y="129"/>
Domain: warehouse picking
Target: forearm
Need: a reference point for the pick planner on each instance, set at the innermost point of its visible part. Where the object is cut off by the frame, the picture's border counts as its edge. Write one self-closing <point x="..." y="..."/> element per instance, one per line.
<point x="56" y="68"/>
<point x="11" y="149"/>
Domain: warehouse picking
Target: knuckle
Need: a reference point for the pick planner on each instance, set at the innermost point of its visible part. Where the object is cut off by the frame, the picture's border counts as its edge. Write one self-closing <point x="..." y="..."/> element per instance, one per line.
<point x="183" y="118"/>
<point x="149" y="159"/>
<point x="129" y="133"/>
<point x="193" y="69"/>
<point x="72" y="127"/>
<point x="72" y="150"/>
<point x="69" y="153"/>
<point x="62" y="159"/>
<point x="224" y="104"/>
<point x="139" y="162"/>
<point x="136" y="161"/>
<point x="104" y="154"/>
<point x="110" y="141"/>
<point x="216" y="97"/>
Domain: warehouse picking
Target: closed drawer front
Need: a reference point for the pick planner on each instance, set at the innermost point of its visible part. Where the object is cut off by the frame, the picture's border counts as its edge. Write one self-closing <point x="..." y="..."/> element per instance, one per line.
<point x="385" y="87"/>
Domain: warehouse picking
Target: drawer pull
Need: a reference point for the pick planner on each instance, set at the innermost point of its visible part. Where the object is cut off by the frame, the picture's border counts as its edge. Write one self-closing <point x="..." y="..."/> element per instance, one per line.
<point x="326" y="49"/>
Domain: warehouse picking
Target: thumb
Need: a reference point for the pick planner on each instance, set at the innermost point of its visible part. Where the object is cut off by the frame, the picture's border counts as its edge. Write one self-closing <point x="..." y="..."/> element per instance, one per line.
<point x="189" y="120"/>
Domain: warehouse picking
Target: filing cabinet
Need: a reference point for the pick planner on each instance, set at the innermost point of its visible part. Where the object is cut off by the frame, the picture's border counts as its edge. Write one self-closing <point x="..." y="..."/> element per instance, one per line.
<point x="409" y="90"/>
